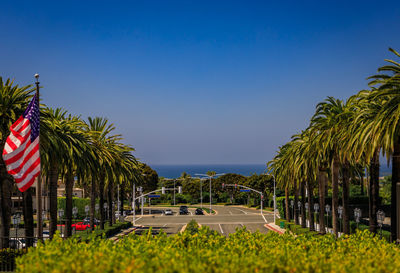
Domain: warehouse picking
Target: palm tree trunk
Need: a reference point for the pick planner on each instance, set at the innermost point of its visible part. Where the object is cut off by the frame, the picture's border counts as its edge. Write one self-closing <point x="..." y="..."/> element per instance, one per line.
<point x="362" y="185"/>
<point x="374" y="191"/>
<point x="335" y="196"/>
<point x="303" y="204"/>
<point x="92" y="203"/>
<point x="6" y="185"/>
<point x="321" y="192"/>
<point x="395" y="181"/>
<point x="69" y="185"/>
<point x="345" y="197"/>
<point x="287" y="212"/>
<point x="28" y="217"/>
<point x="310" y="205"/>
<point x="110" y="203"/>
<point x="101" y="202"/>
<point x="296" y="200"/>
<point x="53" y="181"/>
<point x="121" y="198"/>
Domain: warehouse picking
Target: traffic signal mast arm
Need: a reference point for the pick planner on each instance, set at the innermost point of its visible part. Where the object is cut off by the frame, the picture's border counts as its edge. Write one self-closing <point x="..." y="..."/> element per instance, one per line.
<point x="247" y="188"/>
<point x="244" y="187"/>
<point x="162" y="190"/>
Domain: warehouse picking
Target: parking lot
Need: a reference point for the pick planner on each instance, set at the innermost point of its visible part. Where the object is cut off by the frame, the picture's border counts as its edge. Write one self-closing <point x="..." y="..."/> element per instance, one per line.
<point x="226" y="220"/>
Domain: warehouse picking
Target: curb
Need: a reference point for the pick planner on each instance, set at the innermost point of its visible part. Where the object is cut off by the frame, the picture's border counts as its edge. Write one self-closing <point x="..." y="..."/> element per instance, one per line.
<point x="273" y="229"/>
<point x="183" y="229"/>
<point x="264" y="211"/>
<point x="118" y="236"/>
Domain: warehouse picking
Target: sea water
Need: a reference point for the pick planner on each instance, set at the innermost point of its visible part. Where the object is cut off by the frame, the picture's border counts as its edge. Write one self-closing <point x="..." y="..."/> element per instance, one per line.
<point x="174" y="171"/>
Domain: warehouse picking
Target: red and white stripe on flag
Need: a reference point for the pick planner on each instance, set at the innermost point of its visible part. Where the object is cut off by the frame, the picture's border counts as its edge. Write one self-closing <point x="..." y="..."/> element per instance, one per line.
<point x="21" y="155"/>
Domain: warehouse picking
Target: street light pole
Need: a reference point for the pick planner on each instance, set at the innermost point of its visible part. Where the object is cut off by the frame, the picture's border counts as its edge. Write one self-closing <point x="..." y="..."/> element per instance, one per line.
<point x="210" y="176"/>
<point x="141" y="193"/>
<point x="210" y="196"/>
<point x="274" y="199"/>
<point x="118" y="205"/>
<point x="133" y="203"/>
<point x="174" y="192"/>
<point x="201" y="192"/>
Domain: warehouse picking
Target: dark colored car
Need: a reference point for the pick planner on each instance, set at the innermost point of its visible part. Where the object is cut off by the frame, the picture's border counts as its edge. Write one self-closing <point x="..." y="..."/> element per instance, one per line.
<point x="96" y="221"/>
<point x="183" y="210"/>
<point x="199" y="212"/>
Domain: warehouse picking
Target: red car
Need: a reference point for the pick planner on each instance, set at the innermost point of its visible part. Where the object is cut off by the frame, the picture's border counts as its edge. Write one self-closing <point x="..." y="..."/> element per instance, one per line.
<point x="83" y="225"/>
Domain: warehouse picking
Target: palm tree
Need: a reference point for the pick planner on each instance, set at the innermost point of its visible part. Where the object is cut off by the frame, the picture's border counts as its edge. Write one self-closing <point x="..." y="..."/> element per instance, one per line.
<point x="387" y="85"/>
<point x="125" y="167"/>
<point x="365" y="144"/>
<point x="74" y="159"/>
<point x="327" y="122"/>
<point x="282" y="169"/>
<point x="52" y="152"/>
<point x="13" y="102"/>
<point x="306" y="169"/>
<point x="101" y="139"/>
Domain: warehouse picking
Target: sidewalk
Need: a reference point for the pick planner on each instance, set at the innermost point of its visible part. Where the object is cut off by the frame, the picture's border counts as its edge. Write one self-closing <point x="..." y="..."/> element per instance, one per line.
<point x="275" y="228"/>
<point x="124" y="232"/>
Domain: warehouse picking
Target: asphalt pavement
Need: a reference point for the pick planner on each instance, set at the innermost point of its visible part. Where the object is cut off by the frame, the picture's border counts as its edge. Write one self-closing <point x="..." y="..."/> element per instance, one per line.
<point x="226" y="220"/>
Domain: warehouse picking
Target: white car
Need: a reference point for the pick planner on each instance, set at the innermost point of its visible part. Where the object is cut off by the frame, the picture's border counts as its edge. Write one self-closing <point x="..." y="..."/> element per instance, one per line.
<point x="168" y="212"/>
<point x="17" y="243"/>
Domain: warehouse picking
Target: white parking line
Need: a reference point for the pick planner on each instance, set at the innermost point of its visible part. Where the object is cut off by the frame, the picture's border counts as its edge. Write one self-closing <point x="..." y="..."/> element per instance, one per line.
<point x="164" y="225"/>
<point x="264" y="218"/>
<point x="221" y="228"/>
<point x="245" y="212"/>
<point x="210" y="223"/>
<point x="231" y="212"/>
<point x="137" y="219"/>
<point x="191" y="213"/>
<point x="241" y="224"/>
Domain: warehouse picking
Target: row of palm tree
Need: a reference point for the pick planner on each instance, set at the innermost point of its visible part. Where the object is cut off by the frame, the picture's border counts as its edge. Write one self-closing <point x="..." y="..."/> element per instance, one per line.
<point x="70" y="148"/>
<point x="344" y="138"/>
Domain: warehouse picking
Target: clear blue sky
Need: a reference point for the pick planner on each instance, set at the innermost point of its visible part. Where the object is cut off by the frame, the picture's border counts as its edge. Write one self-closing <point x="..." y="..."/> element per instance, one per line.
<point x="197" y="81"/>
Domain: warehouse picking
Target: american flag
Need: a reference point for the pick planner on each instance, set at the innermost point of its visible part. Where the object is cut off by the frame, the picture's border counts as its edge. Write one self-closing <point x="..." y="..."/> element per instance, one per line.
<point x="21" y="150"/>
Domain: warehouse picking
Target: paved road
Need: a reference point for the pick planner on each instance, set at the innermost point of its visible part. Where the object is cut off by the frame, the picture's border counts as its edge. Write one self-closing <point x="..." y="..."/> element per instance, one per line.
<point x="226" y="220"/>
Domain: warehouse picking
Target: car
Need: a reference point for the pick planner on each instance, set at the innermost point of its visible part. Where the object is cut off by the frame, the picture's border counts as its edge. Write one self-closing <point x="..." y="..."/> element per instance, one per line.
<point x="199" y="212"/>
<point x="17" y="243"/>
<point x="168" y="212"/>
<point x="85" y="224"/>
<point x="183" y="210"/>
<point x="96" y="221"/>
<point x="46" y="235"/>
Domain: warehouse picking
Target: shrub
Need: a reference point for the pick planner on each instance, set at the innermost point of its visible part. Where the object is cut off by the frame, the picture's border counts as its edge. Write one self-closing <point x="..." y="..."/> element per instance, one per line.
<point x="80" y="203"/>
<point x="106" y="232"/>
<point x="7" y="258"/>
<point x="192" y="227"/>
<point x="207" y="251"/>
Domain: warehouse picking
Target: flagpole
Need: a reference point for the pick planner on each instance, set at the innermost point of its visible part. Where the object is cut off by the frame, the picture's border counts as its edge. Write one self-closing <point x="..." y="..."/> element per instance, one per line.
<point x="39" y="181"/>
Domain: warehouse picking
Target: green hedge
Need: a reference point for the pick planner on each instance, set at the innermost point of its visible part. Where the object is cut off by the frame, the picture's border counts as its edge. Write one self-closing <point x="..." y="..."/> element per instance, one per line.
<point x="192" y="227"/>
<point x="354" y="200"/>
<point x="7" y="258"/>
<point x="106" y="232"/>
<point x="80" y="203"/>
<point x="22" y="224"/>
<point x="297" y="229"/>
<point x="207" y="251"/>
<point x="385" y="234"/>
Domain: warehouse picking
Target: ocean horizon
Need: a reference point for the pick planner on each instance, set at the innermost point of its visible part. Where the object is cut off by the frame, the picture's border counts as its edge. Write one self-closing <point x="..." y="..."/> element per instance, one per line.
<point x="175" y="171"/>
